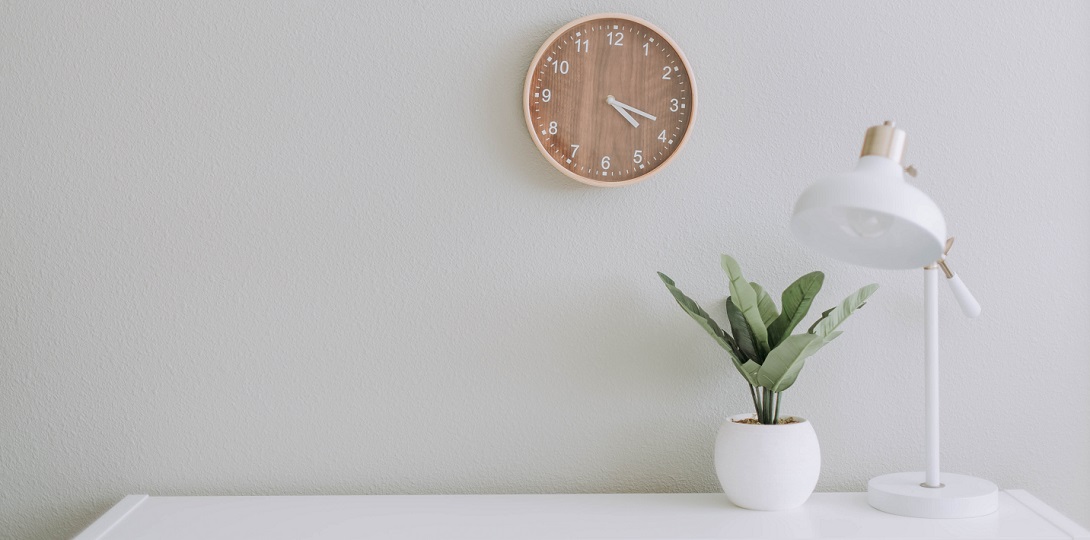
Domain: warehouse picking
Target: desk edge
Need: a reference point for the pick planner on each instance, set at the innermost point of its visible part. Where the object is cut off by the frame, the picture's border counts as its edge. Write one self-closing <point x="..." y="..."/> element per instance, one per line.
<point x="1049" y="514"/>
<point x="111" y="518"/>
<point x="127" y="505"/>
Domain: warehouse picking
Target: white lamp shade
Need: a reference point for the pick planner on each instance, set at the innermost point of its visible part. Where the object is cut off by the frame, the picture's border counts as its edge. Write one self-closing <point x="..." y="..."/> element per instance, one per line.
<point x="871" y="217"/>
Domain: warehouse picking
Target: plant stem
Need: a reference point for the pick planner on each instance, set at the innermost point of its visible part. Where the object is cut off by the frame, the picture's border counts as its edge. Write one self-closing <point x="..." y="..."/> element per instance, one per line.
<point x="771" y="405"/>
<point x="779" y="398"/>
<point x="760" y="411"/>
<point x="760" y="403"/>
<point x="756" y="405"/>
<point x="768" y="406"/>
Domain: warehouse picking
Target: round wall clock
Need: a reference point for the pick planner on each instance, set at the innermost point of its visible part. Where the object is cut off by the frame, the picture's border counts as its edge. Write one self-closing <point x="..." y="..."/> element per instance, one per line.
<point x="609" y="99"/>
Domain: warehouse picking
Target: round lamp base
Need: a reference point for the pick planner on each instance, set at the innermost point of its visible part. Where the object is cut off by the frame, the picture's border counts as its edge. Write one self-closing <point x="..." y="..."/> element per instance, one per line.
<point x="960" y="497"/>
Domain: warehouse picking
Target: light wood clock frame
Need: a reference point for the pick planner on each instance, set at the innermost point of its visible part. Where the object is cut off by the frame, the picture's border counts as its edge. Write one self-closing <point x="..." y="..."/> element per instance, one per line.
<point x="609" y="99"/>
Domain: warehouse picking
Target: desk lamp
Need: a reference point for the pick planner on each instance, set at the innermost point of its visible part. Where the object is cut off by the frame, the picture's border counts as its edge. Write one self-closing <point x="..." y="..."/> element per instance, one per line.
<point x="873" y="217"/>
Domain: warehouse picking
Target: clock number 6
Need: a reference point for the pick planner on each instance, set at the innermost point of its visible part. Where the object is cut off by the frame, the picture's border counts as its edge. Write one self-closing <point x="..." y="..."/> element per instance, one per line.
<point x="605" y="163"/>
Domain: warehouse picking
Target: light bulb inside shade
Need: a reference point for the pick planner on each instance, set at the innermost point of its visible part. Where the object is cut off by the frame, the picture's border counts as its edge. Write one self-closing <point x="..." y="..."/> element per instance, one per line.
<point x="866" y="224"/>
<point x="869" y="237"/>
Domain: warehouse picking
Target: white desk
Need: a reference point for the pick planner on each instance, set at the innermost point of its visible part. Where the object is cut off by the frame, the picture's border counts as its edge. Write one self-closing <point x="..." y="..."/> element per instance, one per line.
<point x="510" y="517"/>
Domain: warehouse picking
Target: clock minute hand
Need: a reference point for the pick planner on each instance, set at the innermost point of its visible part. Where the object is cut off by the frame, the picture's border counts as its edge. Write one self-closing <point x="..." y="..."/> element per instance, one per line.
<point x="616" y="105"/>
<point x="635" y="110"/>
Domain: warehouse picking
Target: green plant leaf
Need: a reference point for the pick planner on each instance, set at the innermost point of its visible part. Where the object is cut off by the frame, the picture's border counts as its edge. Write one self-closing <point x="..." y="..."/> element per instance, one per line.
<point x="766" y="306"/>
<point x="698" y="314"/>
<point x="834" y="317"/>
<point x="745" y="297"/>
<point x="743" y="335"/>
<point x="784" y="363"/>
<point x="781" y="369"/>
<point x="796" y="300"/>
<point x="824" y="314"/>
<point x="748" y="368"/>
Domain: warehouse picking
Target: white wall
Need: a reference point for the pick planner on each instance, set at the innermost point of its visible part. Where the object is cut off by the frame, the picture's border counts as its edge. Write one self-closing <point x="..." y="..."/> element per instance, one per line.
<point x="295" y="248"/>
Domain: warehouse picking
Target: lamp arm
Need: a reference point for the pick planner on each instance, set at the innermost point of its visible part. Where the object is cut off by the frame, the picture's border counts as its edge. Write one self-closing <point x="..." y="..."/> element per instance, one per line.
<point x="969" y="306"/>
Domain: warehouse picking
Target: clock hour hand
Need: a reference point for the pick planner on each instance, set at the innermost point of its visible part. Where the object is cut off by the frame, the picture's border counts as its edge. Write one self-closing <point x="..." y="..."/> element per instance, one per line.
<point x="616" y="105"/>
<point x="633" y="109"/>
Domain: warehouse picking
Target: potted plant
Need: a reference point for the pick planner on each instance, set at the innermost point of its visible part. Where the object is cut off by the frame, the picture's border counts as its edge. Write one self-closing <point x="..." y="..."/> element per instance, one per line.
<point x="766" y="461"/>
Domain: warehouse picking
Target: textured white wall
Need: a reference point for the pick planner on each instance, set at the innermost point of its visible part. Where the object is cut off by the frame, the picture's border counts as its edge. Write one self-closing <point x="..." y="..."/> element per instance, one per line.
<point x="297" y="248"/>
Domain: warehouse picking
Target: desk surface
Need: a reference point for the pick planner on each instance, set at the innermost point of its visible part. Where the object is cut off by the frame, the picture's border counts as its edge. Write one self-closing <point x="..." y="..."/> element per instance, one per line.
<point x="508" y="517"/>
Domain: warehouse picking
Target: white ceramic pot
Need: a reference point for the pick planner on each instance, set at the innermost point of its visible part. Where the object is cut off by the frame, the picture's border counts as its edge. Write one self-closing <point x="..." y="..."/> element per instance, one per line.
<point x="767" y="467"/>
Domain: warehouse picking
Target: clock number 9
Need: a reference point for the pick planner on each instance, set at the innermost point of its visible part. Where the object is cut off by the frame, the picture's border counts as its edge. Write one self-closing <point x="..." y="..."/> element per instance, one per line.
<point x="605" y="163"/>
<point x="552" y="128"/>
<point x="673" y="105"/>
<point x="615" y="38"/>
<point x="546" y="95"/>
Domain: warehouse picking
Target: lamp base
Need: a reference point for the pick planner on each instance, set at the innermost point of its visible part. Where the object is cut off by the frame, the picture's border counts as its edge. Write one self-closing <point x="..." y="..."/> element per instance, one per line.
<point x="960" y="497"/>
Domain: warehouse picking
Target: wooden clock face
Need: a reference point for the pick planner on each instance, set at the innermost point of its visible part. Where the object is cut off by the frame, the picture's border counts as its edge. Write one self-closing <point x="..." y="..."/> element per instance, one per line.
<point x="609" y="99"/>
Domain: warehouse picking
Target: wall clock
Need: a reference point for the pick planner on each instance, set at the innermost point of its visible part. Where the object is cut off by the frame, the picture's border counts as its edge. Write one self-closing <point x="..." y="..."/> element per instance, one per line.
<point x="609" y="99"/>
